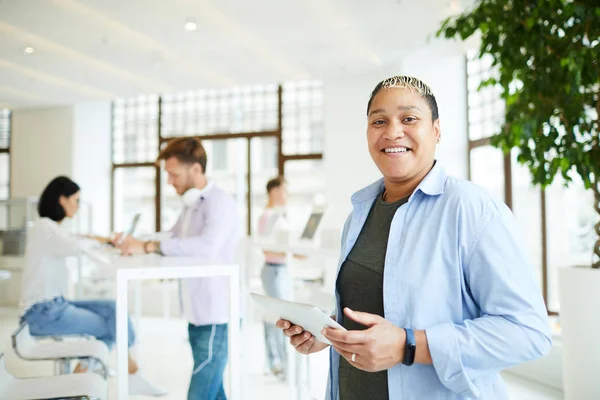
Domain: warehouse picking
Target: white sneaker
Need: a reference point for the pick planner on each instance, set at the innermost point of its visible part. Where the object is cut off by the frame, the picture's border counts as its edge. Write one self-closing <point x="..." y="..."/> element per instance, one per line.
<point x="139" y="385"/>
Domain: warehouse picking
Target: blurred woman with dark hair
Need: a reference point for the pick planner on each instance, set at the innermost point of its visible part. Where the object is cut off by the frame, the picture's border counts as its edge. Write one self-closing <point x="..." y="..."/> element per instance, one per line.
<point x="43" y="305"/>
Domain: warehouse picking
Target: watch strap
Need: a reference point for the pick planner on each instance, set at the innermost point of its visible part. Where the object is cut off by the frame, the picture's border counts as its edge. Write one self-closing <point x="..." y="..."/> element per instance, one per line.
<point x="410" y="348"/>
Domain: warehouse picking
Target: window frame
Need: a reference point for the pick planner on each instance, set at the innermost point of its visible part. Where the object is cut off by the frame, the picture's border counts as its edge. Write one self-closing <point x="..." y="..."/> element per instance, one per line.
<point x="508" y="185"/>
<point x="277" y="133"/>
<point x="6" y="150"/>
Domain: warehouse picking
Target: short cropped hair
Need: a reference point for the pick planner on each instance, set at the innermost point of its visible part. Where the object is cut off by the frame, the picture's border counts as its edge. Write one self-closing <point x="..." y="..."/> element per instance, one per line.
<point x="187" y="150"/>
<point x="275" y="183"/>
<point x="49" y="205"/>
<point x="412" y="84"/>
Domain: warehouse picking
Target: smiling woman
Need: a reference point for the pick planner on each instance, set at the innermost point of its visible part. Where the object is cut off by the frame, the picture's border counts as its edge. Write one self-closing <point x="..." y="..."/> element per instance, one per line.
<point x="402" y="133"/>
<point x="434" y="287"/>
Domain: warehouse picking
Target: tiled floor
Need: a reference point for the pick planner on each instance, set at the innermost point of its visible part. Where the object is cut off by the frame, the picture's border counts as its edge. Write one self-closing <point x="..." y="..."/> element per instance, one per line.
<point x="165" y="358"/>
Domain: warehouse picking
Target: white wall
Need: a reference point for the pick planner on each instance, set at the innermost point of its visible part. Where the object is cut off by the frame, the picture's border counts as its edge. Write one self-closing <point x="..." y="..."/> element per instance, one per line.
<point x="92" y="159"/>
<point x="348" y="166"/>
<point x="41" y="148"/>
<point x="346" y="160"/>
<point x="442" y="66"/>
<point x="74" y="141"/>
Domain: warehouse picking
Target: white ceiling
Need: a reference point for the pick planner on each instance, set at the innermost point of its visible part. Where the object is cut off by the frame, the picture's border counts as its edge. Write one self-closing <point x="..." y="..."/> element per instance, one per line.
<point x="102" y="49"/>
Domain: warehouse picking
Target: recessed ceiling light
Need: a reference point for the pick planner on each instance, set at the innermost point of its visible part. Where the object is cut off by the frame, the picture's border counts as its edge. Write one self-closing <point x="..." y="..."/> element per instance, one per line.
<point x="455" y="5"/>
<point x="190" y="25"/>
<point x="28" y="50"/>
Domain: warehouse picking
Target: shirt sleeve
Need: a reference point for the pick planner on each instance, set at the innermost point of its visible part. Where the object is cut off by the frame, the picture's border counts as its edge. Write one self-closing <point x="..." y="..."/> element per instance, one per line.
<point x="513" y="326"/>
<point x="63" y="244"/>
<point x="221" y="220"/>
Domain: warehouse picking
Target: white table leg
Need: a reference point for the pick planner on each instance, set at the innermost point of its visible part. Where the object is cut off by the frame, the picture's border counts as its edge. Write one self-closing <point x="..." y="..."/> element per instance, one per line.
<point x="301" y="384"/>
<point x="137" y="287"/>
<point x="79" y="288"/>
<point x="235" y="369"/>
<point x="293" y="373"/>
<point x="122" y="337"/>
<point x="307" y="379"/>
<point x="166" y="300"/>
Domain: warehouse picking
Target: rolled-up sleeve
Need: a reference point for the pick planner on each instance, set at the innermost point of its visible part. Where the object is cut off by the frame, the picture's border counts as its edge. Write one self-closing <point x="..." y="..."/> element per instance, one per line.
<point x="513" y="326"/>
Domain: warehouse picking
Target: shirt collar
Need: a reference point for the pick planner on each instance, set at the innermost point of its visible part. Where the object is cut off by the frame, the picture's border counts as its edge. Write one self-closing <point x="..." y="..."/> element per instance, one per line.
<point x="433" y="184"/>
<point x="48" y="221"/>
<point x="192" y="196"/>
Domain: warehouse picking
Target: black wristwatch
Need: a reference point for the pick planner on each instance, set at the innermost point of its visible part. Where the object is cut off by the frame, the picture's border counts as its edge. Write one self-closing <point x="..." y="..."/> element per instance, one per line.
<point x="410" y="348"/>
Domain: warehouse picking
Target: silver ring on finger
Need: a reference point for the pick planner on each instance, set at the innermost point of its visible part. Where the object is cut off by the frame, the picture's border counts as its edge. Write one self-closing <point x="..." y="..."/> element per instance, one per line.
<point x="353" y="357"/>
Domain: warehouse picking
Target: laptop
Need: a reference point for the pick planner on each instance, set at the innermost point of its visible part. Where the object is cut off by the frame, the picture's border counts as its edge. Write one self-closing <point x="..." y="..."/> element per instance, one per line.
<point x="132" y="227"/>
<point x="131" y="230"/>
<point x="108" y="254"/>
<point x="312" y="225"/>
<point x="310" y="230"/>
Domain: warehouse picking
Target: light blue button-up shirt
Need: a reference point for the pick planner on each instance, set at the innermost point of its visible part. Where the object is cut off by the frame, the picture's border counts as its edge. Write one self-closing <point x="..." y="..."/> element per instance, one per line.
<point x="456" y="268"/>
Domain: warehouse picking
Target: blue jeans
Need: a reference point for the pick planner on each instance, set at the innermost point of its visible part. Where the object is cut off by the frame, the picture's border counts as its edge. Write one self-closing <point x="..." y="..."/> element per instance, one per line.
<point x="277" y="283"/>
<point x="64" y="317"/>
<point x="209" y="349"/>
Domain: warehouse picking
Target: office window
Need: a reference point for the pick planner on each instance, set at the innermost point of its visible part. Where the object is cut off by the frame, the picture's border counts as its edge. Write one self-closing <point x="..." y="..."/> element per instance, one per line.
<point x="135" y="130"/>
<point x="265" y="151"/>
<point x="264" y="167"/>
<point x="5" y="131"/>
<point x="218" y="155"/>
<point x="250" y="109"/>
<point x="486" y="107"/>
<point x="526" y="205"/>
<point x="229" y="120"/>
<point x="571" y="235"/>
<point x="134" y="192"/>
<point x="209" y="112"/>
<point x="487" y="170"/>
<point x="568" y="215"/>
<point x="4" y="175"/>
<point x="303" y="117"/>
<point x="5" y="128"/>
<point x="306" y="187"/>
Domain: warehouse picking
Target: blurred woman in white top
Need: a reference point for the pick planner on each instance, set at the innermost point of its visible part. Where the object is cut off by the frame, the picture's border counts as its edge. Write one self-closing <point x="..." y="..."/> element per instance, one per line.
<point x="275" y="275"/>
<point x="43" y="305"/>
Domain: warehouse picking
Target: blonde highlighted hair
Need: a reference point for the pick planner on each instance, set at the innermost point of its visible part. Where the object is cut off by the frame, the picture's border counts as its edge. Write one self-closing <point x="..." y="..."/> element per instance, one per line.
<point x="410" y="83"/>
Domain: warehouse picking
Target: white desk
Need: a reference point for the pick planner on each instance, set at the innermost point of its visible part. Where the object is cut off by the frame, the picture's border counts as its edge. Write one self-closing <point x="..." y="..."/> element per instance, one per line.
<point x="297" y="248"/>
<point x="138" y="268"/>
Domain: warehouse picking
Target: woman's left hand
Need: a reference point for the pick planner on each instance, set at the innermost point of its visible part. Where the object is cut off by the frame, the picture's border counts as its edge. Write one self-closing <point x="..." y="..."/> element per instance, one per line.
<point x="377" y="348"/>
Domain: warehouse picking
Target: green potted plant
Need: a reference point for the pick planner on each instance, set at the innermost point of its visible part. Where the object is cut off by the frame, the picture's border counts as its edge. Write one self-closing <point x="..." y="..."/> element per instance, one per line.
<point x="547" y="54"/>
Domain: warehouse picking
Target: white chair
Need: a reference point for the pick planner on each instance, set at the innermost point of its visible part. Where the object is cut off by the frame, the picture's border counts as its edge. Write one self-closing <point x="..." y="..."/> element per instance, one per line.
<point x="62" y="350"/>
<point x="63" y="387"/>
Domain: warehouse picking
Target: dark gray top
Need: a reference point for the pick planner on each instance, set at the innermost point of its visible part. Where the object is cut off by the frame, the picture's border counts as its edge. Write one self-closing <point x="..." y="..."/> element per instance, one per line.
<point x="360" y="286"/>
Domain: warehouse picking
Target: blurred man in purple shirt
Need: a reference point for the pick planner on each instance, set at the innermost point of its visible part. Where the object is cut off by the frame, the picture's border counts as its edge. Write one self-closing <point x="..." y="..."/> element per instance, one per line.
<point x="209" y="228"/>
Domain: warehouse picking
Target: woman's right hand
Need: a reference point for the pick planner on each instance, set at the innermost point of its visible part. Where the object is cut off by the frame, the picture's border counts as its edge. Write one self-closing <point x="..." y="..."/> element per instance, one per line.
<point x="303" y="341"/>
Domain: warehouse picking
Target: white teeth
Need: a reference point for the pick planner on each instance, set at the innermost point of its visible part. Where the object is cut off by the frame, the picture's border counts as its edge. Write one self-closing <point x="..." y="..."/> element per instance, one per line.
<point x="396" y="150"/>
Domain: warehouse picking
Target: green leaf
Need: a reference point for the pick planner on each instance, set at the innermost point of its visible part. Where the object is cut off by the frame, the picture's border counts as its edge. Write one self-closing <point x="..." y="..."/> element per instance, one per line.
<point x="547" y="115"/>
<point x="530" y="22"/>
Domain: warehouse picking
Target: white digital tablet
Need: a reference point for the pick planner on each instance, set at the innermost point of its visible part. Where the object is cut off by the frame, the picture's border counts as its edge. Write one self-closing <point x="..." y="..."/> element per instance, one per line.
<point x="305" y="315"/>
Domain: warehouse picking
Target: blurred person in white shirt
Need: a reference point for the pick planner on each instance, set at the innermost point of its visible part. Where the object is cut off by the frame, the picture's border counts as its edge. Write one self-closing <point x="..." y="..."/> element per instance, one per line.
<point x="43" y="305"/>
